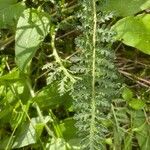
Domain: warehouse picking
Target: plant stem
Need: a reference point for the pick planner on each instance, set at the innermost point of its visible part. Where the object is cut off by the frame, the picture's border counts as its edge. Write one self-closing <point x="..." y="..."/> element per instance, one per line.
<point x="58" y="60"/>
<point x="38" y="110"/>
<point x="93" y="104"/>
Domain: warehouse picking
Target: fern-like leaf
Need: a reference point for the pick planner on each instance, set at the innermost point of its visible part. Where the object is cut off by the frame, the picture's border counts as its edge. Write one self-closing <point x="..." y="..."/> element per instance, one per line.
<point x="94" y="93"/>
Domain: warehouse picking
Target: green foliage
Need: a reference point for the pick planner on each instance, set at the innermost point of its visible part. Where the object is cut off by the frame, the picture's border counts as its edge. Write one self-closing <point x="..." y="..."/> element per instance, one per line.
<point x="126" y="7"/>
<point x="10" y="11"/>
<point x="10" y="78"/>
<point x="141" y="127"/>
<point x="68" y="128"/>
<point x="127" y="94"/>
<point x="52" y="100"/>
<point x="92" y="97"/>
<point x="146" y="5"/>
<point x="5" y="3"/>
<point x="134" y="103"/>
<point x="139" y="36"/>
<point x="29" y="132"/>
<point x="32" y="28"/>
<point x="59" y="82"/>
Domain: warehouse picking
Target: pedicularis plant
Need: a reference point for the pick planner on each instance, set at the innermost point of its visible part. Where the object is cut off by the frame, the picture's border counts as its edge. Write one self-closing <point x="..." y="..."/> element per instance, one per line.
<point x="61" y="86"/>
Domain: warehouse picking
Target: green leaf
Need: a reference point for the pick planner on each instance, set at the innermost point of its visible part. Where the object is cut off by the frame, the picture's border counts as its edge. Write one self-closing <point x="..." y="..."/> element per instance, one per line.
<point x="10" y="14"/>
<point x="49" y="97"/>
<point x="127" y="94"/>
<point x="5" y="112"/>
<point x="109" y="141"/>
<point x="146" y="5"/>
<point x="32" y="28"/>
<point x="142" y="135"/>
<point x="136" y="104"/>
<point x="68" y="129"/>
<point x="29" y="132"/>
<point x="135" y="32"/>
<point x="10" y="77"/>
<point x="4" y="141"/>
<point x="123" y="7"/>
<point x="57" y="144"/>
<point x="6" y="3"/>
<point x="61" y="144"/>
<point x="128" y="142"/>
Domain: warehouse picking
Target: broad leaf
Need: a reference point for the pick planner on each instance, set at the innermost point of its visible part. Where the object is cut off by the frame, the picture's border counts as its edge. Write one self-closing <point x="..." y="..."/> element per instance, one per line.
<point x="142" y="135"/>
<point x="69" y="132"/>
<point x="127" y="94"/>
<point x="32" y="28"/>
<point x="6" y="3"/>
<point x="146" y="5"/>
<point x="61" y="144"/>
<point x="57" y="144"/>
<point x="68" y="129"/>
<point x="10" y="77"/>
<point x="136" y="104"/>
<point x="49" y="97"/>
<point x="123" y="7"/>
<point x="135" y="32"/>
<point x="4" y="141"/>
<point x="10" y="13"/>
<point x="5" y="113"/>
<point x="29" y="132"/>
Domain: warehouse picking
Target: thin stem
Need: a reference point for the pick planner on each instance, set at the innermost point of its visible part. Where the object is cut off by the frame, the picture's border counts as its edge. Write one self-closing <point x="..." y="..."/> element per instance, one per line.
<point x="25" y="110"/>
<point x="56" y="125"/>
<point x="58" y="60"/>
<point x="39" y="111"/>
<point x="14" y="130"/>
<point x="93" y="104"/>
<point x="5" y="43"/>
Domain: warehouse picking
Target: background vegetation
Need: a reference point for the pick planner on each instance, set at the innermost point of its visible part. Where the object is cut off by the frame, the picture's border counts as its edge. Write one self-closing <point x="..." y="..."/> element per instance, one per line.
<point x="41" y="45"/>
